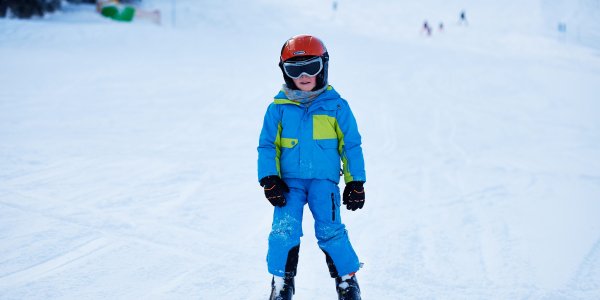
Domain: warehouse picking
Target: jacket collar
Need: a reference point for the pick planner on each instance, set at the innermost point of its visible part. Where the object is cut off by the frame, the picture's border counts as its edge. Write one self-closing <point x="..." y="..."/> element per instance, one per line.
<point x="323" y="100"/>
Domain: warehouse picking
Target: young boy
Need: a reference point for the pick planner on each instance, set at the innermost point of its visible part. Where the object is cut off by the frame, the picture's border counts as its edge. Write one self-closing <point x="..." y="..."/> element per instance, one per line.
<point x="307" y="131"/>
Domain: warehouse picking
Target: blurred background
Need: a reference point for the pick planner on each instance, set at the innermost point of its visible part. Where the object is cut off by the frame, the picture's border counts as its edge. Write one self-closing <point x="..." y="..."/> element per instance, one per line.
<point x="128" y="147"/>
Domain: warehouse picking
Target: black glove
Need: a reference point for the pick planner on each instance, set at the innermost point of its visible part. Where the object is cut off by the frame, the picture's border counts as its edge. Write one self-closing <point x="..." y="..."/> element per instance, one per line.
<point x="274" y="188"/>
<point x="354" y="195"/>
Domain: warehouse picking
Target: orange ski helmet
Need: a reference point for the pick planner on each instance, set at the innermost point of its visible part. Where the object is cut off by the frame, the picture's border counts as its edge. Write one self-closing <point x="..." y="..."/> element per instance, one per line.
<point x="302" y="47"/>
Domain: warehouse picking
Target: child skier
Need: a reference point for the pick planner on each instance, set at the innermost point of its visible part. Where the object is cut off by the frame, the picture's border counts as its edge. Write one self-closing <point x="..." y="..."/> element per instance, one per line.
<point x="307" y="131"/>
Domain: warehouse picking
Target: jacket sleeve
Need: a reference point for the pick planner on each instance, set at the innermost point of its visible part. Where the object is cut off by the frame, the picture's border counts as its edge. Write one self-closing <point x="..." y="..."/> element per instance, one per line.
<point x="350" y="146"/>
<point x="269" y="149"/>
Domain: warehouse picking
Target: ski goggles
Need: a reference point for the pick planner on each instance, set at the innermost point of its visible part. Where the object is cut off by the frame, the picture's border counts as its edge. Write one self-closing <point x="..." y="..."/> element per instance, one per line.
<point x="310" y="67"/>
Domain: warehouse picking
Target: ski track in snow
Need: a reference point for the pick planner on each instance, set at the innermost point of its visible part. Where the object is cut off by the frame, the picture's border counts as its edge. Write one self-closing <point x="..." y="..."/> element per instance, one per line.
<point x="587" y="278"/>
<point x="128" y="152"/>
<point x="54" y="264"/>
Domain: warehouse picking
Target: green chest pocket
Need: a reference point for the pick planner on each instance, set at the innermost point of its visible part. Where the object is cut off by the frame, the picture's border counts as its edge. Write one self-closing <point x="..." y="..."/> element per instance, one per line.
<point x="324" y="127"/>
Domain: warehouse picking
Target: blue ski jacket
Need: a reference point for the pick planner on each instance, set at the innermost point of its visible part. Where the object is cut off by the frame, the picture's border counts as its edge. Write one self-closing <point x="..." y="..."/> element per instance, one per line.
<point x="308" y="142"/>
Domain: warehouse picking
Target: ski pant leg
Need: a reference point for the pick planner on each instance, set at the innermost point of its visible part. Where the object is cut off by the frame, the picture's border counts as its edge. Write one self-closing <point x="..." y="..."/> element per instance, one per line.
<point x="286" y="230"/>
<point x="324" y="203"/>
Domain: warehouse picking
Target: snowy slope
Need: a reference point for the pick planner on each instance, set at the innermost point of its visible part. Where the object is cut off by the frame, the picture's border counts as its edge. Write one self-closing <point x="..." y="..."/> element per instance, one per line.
<point x="128" y="151"/>
<point x="580" y="18"/>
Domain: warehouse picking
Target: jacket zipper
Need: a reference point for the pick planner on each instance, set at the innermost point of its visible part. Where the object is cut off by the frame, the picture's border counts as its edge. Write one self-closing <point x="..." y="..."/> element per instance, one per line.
<point x="305" y="113"/>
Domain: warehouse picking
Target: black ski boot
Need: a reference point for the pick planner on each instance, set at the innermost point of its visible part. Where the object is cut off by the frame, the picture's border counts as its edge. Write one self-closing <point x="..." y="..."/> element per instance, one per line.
<point x="286" y="292"/>
<point x="347" y="289"/>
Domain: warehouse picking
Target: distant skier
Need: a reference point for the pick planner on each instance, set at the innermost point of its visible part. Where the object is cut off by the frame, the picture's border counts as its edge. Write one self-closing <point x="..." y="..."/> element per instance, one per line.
<point x="307" y="131"/>
<point x="463" y="18"/>
<point x="562" y="27"/>
<point x="441" y="27"/>
<point x="426" y="28"/>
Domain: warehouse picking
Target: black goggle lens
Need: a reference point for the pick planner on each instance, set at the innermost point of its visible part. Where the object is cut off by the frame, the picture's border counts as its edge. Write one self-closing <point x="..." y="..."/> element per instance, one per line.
<point x="310" y="67"/>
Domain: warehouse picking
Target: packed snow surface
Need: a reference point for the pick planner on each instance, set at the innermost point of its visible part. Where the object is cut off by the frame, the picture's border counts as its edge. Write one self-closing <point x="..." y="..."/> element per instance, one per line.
<point x="128" y="150"/>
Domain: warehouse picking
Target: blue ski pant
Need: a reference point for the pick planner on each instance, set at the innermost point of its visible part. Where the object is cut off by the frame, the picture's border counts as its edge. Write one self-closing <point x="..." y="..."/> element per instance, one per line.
<point x="323" y="198"/>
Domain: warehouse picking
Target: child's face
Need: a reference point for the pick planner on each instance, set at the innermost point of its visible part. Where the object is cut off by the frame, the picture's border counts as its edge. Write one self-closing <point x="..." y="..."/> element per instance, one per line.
<point x="306" y="83"/>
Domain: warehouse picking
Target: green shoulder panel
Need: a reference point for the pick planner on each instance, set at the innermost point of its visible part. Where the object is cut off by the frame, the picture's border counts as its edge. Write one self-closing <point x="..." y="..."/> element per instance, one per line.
<point x="285" y="101"/>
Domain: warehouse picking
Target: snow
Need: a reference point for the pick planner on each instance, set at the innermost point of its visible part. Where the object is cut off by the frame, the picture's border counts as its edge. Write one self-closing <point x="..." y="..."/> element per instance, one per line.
<point x="128" y="151"/>
<point x="278" y="283"/>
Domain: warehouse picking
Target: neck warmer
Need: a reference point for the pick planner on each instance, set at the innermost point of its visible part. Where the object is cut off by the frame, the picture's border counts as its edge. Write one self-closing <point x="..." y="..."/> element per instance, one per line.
<point x="302" y="96"/>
